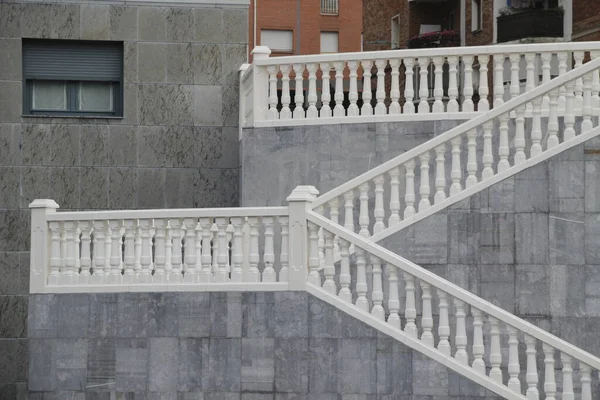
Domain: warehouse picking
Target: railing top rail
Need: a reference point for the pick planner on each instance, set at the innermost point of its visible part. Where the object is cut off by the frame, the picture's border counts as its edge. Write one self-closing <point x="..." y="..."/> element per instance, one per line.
<point x="440" y="51"/>
<point x="454" y="290"/>
<point x="487" y="117"/>
<point x="166" y="213"/>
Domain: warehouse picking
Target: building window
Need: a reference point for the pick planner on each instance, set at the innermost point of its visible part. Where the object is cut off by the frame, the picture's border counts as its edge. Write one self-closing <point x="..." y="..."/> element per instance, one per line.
<point x="329" y="42"/>
<point x="476" y="15"/>
<point x="72" y="78"/>
<point x="279" y="41"/>
<point x="395" y="39"/>
<point x="329" y="7"/>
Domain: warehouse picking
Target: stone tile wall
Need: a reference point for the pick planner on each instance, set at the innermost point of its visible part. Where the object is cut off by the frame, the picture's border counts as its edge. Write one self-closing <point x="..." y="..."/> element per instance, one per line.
<point x="176" y="146"/>
<point x="242" y="346"/>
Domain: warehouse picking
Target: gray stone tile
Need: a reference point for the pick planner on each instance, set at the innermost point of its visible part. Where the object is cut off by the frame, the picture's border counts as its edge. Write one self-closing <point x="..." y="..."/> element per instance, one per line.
<point x="290" y="315"/>
<point x="357" y="366"/>
<point x="95" y="22"/>
<point x="130" y="65"/>
<point x="10" y="58"/>
<point x="163" y="362"/>
<point x="217" y="188"/>
<point x="323" y="365"/>
<point x="531" y="235"/>
<point x="122" y="185"/>
<point x="152" y="62"/>
<point x="10" y="19"/>
<point x="498" y="285"/>
<point x="208" y="105"/>
<point x="14" y="316"/>
<point x="434" y="250"/>
<point x="36" y="20"/>
<point x="222" y="368"/>
<point x="207" y="67"/>
<point x="232" y="56"/>
<point x="592" y="238"/>
<point x="178" y="190"/>
<point x="221" y="396"/>
<point x="325" y="321"/>
<point x="352" y="328"/>
<point x="162" y="315"/>
<point x="132" y="365"/>
<point x="567" y="290"/>
<point x="53" y="144"/>
<point x="231" y="107"/>
<point x="151" y="188"/>
<point x="225" y="314"/>
<point x="592" y="186"/>
<point x="133" y="315"/>
<point x="152" y="24"/>
<point x="169" y="104"/>
<point x="180" y="25"/>
<point x="103" y="315"/>
<point x="43" y="315"/>
<point x="190" y="396"/>
<point x="11" y="273"/>
<point x="73" y="314"/>
<point x="13" y="360"/>
<point x="532" y="290"/>
<point x="101" y="365"/>
<point x="258" y="364"/>
<point x="216" y="147"/>
<point x="16" y="391"/>
<point x="497" y="238"/>
<point x="394" y="367"/>
<point x="94" y="188"/>
<point x="499" y="197"/>
<point x="209" y="25"/>
<point x="65" y="187"/>
<point x="194" y="314"/>
<point x="16" y="230"/>
<point x="179" y="143"/>
<point x="566" y="186"/>
<point x="11" y="110"/>
<point x="122" y="142"/>
<point x="9" y="187"/>
<point x="566" y="239"/>
<point x="123" y="22"/>
<point x="179" y="63"/>
<point x="94" y="149"/>
<point x="130" y="107"/>
<point x="42" y="369"/>
<point x="292" y="365"/>
<point x="257" y="311"/>
<point x="463" y="237"/>
<point x="192" y="351"/>
<point x="65" y="23"/>
<point x="236" y="21"/>
<point x="531" y="189"/>
<point x="70" y="359"/>
<point x="10" y="139"/>
<point x="429" y="377"/>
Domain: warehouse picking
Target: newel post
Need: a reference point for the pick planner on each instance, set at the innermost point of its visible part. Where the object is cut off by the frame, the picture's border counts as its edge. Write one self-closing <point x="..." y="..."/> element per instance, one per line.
<point x="300" y="201"/>
<point x="242" y="99"/>
<point x="40" y="244"/>
<point x="260" y="81"/>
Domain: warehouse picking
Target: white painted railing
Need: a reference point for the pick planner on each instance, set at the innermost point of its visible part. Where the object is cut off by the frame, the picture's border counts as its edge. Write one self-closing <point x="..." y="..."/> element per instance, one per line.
<point x="436" y="322"/>
<point x="466" y="159"/>
<point x="424" y="84"/>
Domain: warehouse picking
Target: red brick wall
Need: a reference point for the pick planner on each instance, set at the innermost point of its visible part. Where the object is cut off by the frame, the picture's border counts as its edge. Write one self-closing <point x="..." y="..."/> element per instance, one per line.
<point x="486" y="34"/>
<point x="377" y="22"/>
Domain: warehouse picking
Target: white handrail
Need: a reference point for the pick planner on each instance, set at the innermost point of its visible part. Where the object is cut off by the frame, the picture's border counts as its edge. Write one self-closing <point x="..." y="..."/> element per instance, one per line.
<point x="459" y="130"/>
<point x="454" y="290"/>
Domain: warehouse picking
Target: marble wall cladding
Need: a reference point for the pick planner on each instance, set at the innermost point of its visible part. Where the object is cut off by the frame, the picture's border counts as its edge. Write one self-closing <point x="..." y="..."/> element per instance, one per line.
<point x="176" y="146"/>
<point x="217" y="346"/>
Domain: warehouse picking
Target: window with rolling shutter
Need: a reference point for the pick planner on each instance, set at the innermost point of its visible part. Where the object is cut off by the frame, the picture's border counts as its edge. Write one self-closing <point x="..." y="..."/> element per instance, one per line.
<point x="74" y="78"/>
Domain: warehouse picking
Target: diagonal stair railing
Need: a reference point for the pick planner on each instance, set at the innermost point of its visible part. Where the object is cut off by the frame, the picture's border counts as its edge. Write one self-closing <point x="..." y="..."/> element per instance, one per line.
<point x="494" y="152"/>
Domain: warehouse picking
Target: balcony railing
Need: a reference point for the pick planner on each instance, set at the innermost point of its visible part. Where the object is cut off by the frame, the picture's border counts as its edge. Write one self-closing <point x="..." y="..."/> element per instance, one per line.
<point x="530" y="23"/>
<point x="329" y="7"/>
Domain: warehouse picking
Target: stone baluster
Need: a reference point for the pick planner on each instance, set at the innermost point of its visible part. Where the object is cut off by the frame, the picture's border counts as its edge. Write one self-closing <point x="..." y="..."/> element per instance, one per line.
<point x="395" y="89"/>
<point x="86" y="260"/>
<point x="380" y="108"/>
<point x="190" y="250"/>
<point x="471" y="158"/>
<point x="253" y="256"/>
<point x="452" y="84"/>
<point x="409" y="195"/>
<point x="456" y="171"/>
<point x="313" y="259"/>
<point x="107" y="248"/>
<point x="586" y="381"/>
<point x="546" y="59"/>
<point x="198" y="251"/>
<point x="423" y="85"/>
<point x="321" y="241"/>
<point x="329" y="270"/>
<point x="514" y="368"/>
<point x="272" y="113"/>
<point x="77" y="255"/>
<point x="478" y="348"/>
<point x="461" y="333"/>
<point x="427" y="317"/>
<point x="530" y="83"/>
<point x="499" y="79"/>
<point x="299" y="92"/>
<point x="549" y="378"/>
<point x="393" y="299"/>
<point x="115" y="276"/>
<point x="367" y="96"/>
<point x="569" y="132"/>
<point x="410" y="309"/>
<point x="285" y="243"/>
<point x="536" y="128"/>
<point x="409" y="91"/>
<point x="578" y="102"/>
<point x="349" y="210"/>
<point x="595" y="87"/>
<point x="168" y="252"/>
<point x="552" y="120"/>
<point x="326" y="111"/>
<point x="363" y="218"/>
<point x="206" y="272"/>
<point x="488" y="155"/>
<point x="444" y="324"/>
<point x="503" y="149"/>
<point x="129" y="256"/>
<point x="378" y="212"/>
<point x="586" y="124"/>
<point x="377" y="295"/>
<point x="176" y="255"/>
<point x="68" y="275"/>
<point x="98" y="272"/>
<point x="269" y="255"/>
<point x="286" y="112"/>
<point x="438" y="89"/>
<point x="353" y="110"/>
<point x="440" y="174"/>
<point x="338" y="110"/>
<point x="334" y="215"/>
<point x="495" y="353"/>
<point x="562" y="69"/>
<point x="532" y="376"/>
<point x="424" y="191"/>
<point x="468" y="105"/>
<point x="229" y="238"/>
<point x="345" y="279"/>
<point x="237" y="257"/>
<point x="567" y="373"/>
<point x="484" y="90"/>
<point x="515" y="89"/>
<point x="146" y="251"/>
<point x="361" y="281"/>
<point x="394" y="218"/>
<point x="312" y="98"/>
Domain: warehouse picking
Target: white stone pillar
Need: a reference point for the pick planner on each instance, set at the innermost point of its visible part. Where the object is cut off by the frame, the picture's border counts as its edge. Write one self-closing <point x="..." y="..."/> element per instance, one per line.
<point x="40" y="243"/>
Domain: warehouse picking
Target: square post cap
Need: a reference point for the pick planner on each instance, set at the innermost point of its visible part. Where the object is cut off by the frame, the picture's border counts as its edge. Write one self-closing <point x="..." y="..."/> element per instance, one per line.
<point x="43" y="203"/>
<point x="260" y="52"/>
<point x="303" y="193"/>
<point x="244" y="67"/>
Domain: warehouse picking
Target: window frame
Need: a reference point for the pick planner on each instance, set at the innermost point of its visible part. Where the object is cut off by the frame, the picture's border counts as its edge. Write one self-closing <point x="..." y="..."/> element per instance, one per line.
<point x="337" y="33"/>
<point x="478" y="27"/>
<point x="280" y="51"/>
